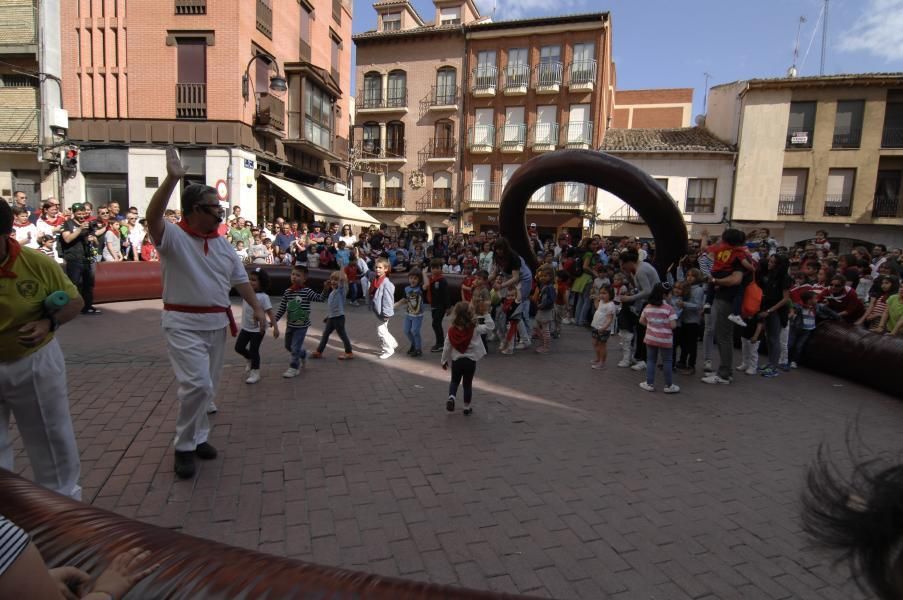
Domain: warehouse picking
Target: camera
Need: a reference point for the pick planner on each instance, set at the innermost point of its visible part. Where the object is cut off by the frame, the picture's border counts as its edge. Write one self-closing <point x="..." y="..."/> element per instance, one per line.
<point x="481" y="320"/>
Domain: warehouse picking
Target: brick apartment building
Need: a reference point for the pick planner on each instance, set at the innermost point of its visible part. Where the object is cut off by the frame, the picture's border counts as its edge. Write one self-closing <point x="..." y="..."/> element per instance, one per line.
<point x="140" y="76"/>
<point x="447" y="110"/>
<point x="664" y="108"/>
<point x="32" y="122"/>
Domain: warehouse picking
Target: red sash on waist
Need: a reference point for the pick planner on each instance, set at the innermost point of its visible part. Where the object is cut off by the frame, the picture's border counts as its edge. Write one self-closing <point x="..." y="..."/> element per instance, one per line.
<point x="233" y="328"/>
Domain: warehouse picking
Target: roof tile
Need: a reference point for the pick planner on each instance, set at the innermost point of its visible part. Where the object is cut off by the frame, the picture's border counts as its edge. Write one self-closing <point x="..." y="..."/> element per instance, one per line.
<point x="683" y="139"/>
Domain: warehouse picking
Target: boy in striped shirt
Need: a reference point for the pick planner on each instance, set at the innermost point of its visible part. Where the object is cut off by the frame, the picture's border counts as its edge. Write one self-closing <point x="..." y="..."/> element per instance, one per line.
<point x="295" y="305"/>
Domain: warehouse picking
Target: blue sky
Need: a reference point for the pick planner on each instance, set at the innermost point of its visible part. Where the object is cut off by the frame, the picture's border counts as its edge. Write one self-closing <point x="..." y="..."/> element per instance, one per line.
<point x="672" y="43"/>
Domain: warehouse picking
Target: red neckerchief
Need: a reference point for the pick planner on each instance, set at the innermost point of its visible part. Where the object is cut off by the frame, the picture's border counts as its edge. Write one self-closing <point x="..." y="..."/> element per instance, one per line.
<point x="429" y="288"/>
<point x="12" y="253"/>
<point x="460" y="338"/>
<point x="375" y="285"/>
<point x="295" y="288"/>
<point x="54" y="222"/>
<point x="17" y="226"/>
<point x="204" y="236"/>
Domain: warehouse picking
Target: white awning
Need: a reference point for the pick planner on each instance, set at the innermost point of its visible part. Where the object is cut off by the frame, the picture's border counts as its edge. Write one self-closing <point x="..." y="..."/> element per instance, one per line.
<point x="326" y="206"/>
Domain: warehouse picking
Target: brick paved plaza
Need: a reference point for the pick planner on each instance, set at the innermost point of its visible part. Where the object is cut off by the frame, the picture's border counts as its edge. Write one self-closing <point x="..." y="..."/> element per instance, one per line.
<point x="565" y="483"/>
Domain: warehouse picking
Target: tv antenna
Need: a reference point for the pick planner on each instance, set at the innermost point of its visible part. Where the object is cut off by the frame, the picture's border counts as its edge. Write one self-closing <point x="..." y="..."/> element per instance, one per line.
<point x="793" y="71"/>
<point x="705" y="95"/>
<point x="824" y="39"/>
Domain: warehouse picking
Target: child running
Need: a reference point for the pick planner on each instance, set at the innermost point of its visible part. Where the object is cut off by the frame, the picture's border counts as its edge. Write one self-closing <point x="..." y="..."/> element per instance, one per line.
<point x="335" y="315"/>
<point x="382" y="303"/>
<point x="463" y="348"/>
<point x="295" y="305"/>
<point x="251" y="335"/>
<point x="601" y="325"/>
<point x="413" y="303"/>
<point x="660" y="320"/>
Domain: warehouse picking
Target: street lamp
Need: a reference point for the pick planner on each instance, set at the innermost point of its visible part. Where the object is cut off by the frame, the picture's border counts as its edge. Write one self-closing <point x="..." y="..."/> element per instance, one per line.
<point x="277" y="81"/>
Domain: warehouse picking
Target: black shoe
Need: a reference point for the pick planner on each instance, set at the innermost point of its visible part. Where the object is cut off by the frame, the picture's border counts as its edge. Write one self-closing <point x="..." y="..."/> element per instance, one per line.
<point x="450" y="405"/>
<point x="411" y="351"/>
<point x="205" y="451"/>
<point x="92" y="311"/>
<point x="184" y="465"/>
<point x="436" y="349"/>
<point x="417" y="353"/>
<point x="467" y="410"/>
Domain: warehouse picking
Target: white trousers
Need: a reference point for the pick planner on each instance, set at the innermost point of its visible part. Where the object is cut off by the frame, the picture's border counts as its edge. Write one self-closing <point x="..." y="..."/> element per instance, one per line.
<point x="34" y="390"/>
<point x="387" y="342"/>
<point x="197" y="360"/>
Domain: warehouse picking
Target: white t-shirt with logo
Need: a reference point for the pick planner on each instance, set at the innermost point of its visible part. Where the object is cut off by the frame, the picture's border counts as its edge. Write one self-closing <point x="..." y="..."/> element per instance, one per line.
<point x="193" y="278"/>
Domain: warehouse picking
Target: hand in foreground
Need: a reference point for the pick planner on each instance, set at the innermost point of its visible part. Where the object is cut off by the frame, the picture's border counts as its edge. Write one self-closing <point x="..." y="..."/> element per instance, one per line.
<point x="33" y="333"/>
<point x="275" y="331"/>
<point x="174" y="166"/>
<point x="124" y="572"/>
<point x="70" y="581"/>
<point x="260" y="317"/>
<point x="445" y="366"/>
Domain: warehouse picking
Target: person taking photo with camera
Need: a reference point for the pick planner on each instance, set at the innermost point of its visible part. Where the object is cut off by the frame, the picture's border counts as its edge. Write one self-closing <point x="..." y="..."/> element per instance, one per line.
<point x="79" y="238"/>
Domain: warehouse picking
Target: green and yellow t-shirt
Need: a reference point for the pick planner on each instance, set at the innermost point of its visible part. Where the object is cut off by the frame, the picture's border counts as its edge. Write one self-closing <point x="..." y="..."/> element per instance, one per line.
<point x="22" y="298"/>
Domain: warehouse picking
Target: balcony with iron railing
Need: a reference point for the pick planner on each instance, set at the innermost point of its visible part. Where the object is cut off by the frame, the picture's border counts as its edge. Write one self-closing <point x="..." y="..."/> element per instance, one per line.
<point x="368" y="149"/>
<point x="436" y="199"/>
<point x="442" y="97"/>
<point x="892" y="137"/>
<point x="545" y="137"/>
<point x="191" y="7"/>
<point x="625" y="214"/>
<point x="372" y="101"/>
<point x="18" y="24"/>
<point x="578" y="134"/>
<point x="555" y="196"/>
<point x="481" y="139"/>
<point x="514" y="138"/>
<point x="374" y="150"/>
<point x="548" y="77"/>
<point x="886" y="207"/>
<point x="791" y="204"/>
<point x="191" y="100"/>
<point x="800" y="139"/>
<point x="438" y="150"/>
<point x="484" y="82"/>
<point x="582" y="75"/>
<point x="517" y="79"/>
<point x="838" y="205"/>
<point x="270" y="117"/>
<point x="849" y="139"/>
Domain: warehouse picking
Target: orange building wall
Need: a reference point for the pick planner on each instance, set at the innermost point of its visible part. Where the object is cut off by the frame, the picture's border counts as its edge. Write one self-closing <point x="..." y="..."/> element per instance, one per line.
<point x="657" y="117"/>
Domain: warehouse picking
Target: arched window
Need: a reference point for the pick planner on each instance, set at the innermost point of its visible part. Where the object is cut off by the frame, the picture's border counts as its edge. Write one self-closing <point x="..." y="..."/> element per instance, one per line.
<point x="395" y="139"/>
<point x="444" y="139"/>
<point x="370" y="145"/>
<point x="394" y="190"/>
<point x="397" y="89"/>
<point x="446" y="87"/>
<point x="373" y="90"/>
<point x="441" y="190"/>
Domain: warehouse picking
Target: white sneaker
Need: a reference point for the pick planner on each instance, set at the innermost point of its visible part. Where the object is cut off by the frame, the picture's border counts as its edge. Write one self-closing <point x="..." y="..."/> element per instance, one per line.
<point x="707" y="366"/>
<point x="793" y="365"/>
<point x="741" y="366"/>
<point x="386" y="354"/>
<point x="672" y="389"/>
<point x="737" y="320"/>
<point x="647" y="387"/>
<point x="624" y="363"/>
<point x="522" y="346"/>
<point x="639" y="366"/>
<point x="211" y="408"/>
<point x="290" y="372"/>
<point x="253" y="376"/>
<point x="751" y="370"/>
<point x="714" y="378"/>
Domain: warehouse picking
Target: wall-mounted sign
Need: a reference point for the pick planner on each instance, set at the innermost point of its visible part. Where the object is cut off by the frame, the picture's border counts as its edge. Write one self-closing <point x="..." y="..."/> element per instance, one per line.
<point x="249" y="163"/>
<point x="799" y="137"/>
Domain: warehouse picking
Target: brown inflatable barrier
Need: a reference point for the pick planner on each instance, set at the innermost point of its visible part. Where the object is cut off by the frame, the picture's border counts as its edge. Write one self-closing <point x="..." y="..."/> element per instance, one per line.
<point x="126" y="281"/>
<point x="856" y="354"/>
<point x="72" y="533"/>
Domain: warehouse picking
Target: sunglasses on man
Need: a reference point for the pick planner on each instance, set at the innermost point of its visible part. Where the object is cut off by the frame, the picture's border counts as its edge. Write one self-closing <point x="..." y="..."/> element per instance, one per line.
<point x="214" y="210"/>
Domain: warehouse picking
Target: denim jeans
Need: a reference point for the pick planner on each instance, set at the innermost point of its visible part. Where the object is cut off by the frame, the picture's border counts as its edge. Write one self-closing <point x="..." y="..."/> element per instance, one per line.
<point x="354" y="291"/>
<point x="652" y="353"/>
<point x="581" y="315"/>
<point x="294" y="343"/>
<point x="798" y="339"/>
<point x="412" y="326"/>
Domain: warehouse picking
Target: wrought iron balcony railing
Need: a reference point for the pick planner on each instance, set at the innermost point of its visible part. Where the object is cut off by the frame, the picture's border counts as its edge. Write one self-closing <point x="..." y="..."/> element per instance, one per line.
<point x="548" y="74"/>
<point x="582" y="72"/>
<point x="838" y="205"/>
<point x="791" y="204"/>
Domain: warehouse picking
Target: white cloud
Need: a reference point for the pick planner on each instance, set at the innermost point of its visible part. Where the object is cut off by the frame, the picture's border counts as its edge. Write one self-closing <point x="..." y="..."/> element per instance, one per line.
<point x="518" y="9"/>
<point x="879" y="31"/>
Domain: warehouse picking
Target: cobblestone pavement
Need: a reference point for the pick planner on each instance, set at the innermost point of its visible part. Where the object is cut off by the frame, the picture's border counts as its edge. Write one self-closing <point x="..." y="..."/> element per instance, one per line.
<point x="566" y="482"/>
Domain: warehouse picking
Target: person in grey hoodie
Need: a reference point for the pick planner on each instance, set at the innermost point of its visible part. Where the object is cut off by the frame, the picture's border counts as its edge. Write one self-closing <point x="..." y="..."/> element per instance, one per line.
<point x="335" y="315"/>
<point x="382" y="303"/>
<point x="690" y="322"/>
<point x="645" y="278"/>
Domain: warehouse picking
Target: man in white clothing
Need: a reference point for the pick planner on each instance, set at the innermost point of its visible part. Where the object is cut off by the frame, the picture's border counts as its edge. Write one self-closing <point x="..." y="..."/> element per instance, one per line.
<point x="199" y="269"/>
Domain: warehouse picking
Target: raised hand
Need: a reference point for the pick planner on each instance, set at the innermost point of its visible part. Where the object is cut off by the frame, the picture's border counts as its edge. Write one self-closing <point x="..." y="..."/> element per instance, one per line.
<point x="174" y="166"/>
